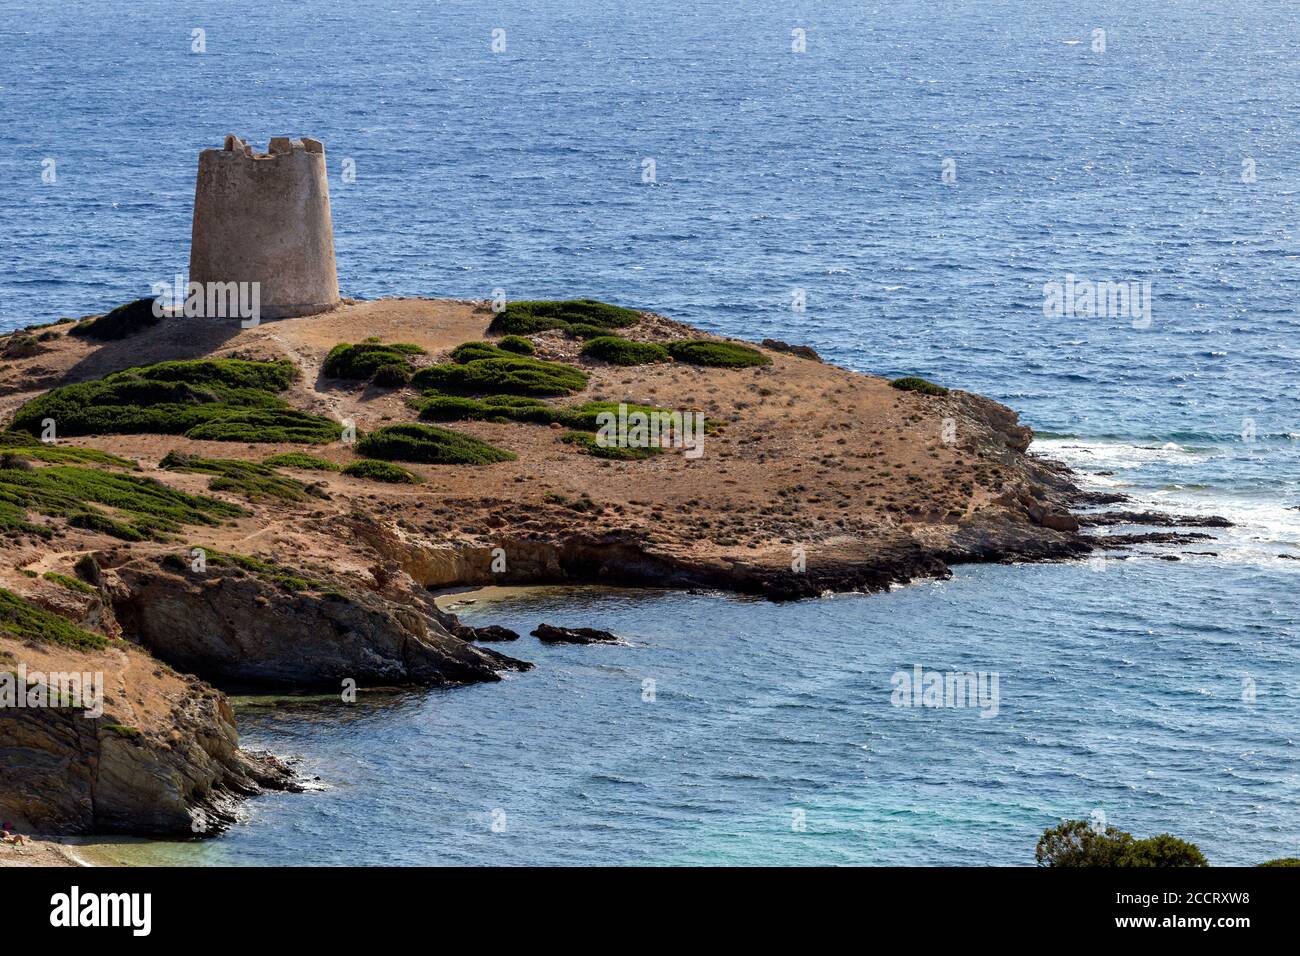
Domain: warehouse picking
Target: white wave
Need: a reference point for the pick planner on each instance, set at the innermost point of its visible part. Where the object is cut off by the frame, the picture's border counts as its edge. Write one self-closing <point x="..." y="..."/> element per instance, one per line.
<point x="1263" y="528"/>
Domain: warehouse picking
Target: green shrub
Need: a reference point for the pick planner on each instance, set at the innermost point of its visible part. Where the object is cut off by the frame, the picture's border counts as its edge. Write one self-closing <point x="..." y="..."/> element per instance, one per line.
<point x="122" y="730"/>
<point x="716" y="354"/>
<point x="303" y="462"/>
<point x="21" y="619"/>
<point x="362" y="361"/>
<point x="525" y="318"/>
<point x="502" y="376"/>
<point x="144" y="508"/>
<point x="1077" y="843"/>
<point x="391" y="375"/>
<point x="72" y="584"/>
<point x="103" y="524"/>
<point x="124" y="321"/>
<point x="1162" y="850"/>
<point x="429" y="444"/>
<point x="580" y="330"/>
<point x="28" y="446"/>
<point x="216" y="399"/>
<point x="588" y="443"/>
<point x="473" y="351"/>
<point x="381" y="471"/>
<point x="251" y="479"/>
<point x="517" y="344"/>
<point x="912" y="383"/>
<point x="611" y="348"/>
<point x="1283" y="861"/>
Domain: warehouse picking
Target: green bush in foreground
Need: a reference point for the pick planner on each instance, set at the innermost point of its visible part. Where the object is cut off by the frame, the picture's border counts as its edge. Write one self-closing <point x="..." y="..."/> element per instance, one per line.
<point x="429" y="444"/>
<point x="588" y="443"/>
<point x="299" y="460"/>
<point x="216" y="399"/>
<point x="251" y="479"/>
<point x="611" y="348"/>
<point x="502" y="376"/>
<point x="525" y="318"/>
<point x="1282" y="861"/>
<point x="125" y="320"/>
<point x="381" y="471"/>
<point x="912" y="383"/>
<point x="716" y="354"/>
<point x="21" y="619"/>
<point x="364" y="361"/>
<point x="1077" y="843"/>
<point x="142" y="507"/>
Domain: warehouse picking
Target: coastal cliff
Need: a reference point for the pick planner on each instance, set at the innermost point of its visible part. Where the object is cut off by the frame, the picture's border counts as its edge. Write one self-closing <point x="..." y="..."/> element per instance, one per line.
<point x="274" y="507"/>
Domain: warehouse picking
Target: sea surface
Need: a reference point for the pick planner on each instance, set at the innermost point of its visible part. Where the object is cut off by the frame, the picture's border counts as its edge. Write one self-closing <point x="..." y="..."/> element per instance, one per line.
<point x="1164" y="695"/>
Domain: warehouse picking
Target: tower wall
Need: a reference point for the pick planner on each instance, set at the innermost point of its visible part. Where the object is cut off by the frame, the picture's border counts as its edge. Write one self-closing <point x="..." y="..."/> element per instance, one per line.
<point x="265" y="218"/>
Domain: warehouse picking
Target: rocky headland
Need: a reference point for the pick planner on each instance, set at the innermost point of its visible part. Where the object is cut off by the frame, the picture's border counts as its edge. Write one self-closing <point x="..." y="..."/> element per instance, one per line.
<point x="189" y="507"/>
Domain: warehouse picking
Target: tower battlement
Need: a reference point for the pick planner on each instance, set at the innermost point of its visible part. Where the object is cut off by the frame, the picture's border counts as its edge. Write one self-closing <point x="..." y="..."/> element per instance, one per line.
<point x="265" y="218"/>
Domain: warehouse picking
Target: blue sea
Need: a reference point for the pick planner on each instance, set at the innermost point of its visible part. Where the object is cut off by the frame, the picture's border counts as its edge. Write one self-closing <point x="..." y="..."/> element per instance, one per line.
<point x="915" y="173"/>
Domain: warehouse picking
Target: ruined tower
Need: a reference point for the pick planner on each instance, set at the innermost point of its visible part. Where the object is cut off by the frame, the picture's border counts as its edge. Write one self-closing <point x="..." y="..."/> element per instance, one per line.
<point x="265" y="218"/>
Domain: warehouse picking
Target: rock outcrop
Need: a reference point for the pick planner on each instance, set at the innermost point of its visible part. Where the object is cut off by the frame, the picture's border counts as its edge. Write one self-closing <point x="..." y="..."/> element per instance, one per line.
<point x="162" y="760"/>
<point x="238" y="629"/>
<point x="549" y="634"/>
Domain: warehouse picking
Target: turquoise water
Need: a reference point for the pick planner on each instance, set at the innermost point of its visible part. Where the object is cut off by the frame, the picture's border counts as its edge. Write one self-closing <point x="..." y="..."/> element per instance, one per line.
<point x="1121" y="683"/>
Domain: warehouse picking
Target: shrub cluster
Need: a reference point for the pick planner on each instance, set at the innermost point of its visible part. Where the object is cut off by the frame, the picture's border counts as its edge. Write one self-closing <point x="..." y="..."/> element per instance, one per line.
<point x="21" y="619"/>
<point x="499" y="375"/>
<point x="587" y="442"/>
<point x="143" y="508"/>
<point x="429" y="444"/>
<point x="382" y="364"/>
<point x="381" y="471"/>
<point x="620" y="351"/>
<point x="215" y="399"/>
<point x="1078" y="843"/>
<point x="517" y="344"/>
<point x="716" y="354"/>
<point x="253" y="480"/>
<point x="525" y="318"/>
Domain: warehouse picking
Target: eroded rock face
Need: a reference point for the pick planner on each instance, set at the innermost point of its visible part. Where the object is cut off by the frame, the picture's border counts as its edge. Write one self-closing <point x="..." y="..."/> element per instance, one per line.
<point x="62" y="772"/>
<point x="236" y="629"/>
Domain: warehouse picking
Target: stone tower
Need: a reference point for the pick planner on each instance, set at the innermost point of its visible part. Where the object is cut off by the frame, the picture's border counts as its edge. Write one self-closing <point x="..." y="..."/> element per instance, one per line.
<point x="265" y="218"/>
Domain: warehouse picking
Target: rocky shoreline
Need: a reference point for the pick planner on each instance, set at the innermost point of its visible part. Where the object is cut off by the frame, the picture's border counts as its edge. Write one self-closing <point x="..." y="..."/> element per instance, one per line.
<point x="814" y="479"/>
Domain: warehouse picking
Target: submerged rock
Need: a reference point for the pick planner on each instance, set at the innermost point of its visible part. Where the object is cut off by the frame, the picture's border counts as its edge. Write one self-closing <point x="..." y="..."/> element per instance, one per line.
<point x="1154" y="519"/>
<point x="549" y="634"/>
<point x="489" y="632"/>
